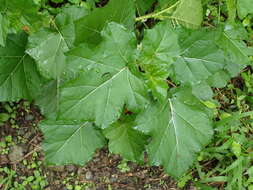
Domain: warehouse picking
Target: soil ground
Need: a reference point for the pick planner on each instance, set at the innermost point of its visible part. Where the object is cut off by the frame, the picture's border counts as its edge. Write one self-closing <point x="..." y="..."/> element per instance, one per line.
<point x="23" y="155"/>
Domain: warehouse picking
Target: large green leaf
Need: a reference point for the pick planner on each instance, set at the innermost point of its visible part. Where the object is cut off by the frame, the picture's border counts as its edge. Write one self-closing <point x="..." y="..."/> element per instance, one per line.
<point x="62" y="140"/>
<point x="88" y="28"/>
<point x="125" y="140"/>
<point x="47" y="47"/>
<point x="4" y="25"/>
<point x="213" y="55"/>
<point x="203" y="90"/>
<point x="231" y="41"/>
<point x="65" y="22"/>
<point x="48" y="99"/>
<point x="219" y="79"/>
<point x="189" y="13"/>
<point x="105" y="84"/>
<point x="157" y="53"/>
<point x="18" y="74"/>
<point x="244" y="7"/>
<point x="179" y="128"/>
<point x="200" y="57"/>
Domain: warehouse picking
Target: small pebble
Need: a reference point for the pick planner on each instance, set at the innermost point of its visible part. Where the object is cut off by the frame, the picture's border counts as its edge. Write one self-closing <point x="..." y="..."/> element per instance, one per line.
<point x="96" y="160"/>
<point x="29" y="117"/>
<point x="88" y="175"/>
<point x="193" y="188"/>
<point x="16" y="153"/>
<point x="71" y="168"/>
<point x="57" y="182"/>
<point x="113" y="179"/>
<point x="3" y="159"/>
<point x="57" y="168"/>
<point x="79" y="171"/>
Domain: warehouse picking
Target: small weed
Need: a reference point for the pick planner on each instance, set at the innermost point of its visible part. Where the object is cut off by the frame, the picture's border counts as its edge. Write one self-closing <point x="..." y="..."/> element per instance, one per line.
<point x="123" y="167"/>
<point x="227" y="161"/>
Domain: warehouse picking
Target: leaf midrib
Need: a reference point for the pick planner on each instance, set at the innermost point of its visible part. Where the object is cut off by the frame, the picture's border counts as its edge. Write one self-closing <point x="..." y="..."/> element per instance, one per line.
<point x="98" y="87"/>
<point x="14" y="70"/>
<point x="69" y="138"/>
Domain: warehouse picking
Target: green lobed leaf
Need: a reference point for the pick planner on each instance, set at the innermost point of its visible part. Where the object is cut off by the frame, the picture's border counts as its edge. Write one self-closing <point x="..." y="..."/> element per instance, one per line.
<point x="63" y="138"/>
<point x="87" y="29"/>
<point x="219" y="79"/>
<point x="125" y="140"/>
<point x="105" y="80"/>
<point x="189" y="13"/>
<point x="104" y="84"/>
<point x="179" y="128"/>
<point x="244" y="7"/>
<point x="200" y="57"/>
<point x="47" y="47"/>
<point x="203" y="90"/>
<point x="231" y="41"/>
<point x="187" y="56"/>
<point x="19" y="77"/>
<point x="157" y="53"/>
<point x="48" y="99"/>
<point x="65" y="22"/>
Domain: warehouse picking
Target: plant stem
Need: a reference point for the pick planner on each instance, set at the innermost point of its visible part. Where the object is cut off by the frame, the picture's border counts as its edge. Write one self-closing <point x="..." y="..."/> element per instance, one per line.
<point x="155" y="15"/>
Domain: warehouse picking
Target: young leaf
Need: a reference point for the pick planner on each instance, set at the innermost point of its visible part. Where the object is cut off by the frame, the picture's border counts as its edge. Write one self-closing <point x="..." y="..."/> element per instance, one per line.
<point x="88" y="28"/>
<point x="189" y="13"/>
<point x="179" y="128"/>
<point x="62" y="140"/>
<point x="100" y="93"/>
<point x="158" y="51"/>
<point x="18" y="74"/>
<point x="125" y="140"/>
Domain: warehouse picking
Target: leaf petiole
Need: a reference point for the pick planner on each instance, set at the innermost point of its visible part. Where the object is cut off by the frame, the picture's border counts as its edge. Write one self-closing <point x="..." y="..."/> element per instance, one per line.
<point x="157" y="14"/>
